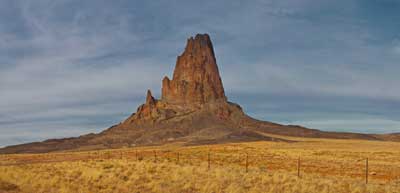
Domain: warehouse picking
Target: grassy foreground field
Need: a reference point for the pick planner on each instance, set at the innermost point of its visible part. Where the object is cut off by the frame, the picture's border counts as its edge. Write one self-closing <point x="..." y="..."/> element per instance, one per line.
<point x="325" y="166"/>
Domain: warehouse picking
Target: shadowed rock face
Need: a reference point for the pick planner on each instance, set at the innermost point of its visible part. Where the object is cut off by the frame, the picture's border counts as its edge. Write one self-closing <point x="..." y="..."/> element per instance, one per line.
<point x="196" y="78"/>
<point x="193" y="109"/>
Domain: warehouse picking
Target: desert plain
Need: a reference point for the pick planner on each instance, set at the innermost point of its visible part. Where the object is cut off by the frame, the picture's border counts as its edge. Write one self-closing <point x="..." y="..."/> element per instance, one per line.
<point x="299" y="165"/>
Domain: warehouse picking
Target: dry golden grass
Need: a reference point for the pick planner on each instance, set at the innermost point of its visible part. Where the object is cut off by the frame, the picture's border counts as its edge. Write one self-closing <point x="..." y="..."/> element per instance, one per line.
<point x="326" y="166"/>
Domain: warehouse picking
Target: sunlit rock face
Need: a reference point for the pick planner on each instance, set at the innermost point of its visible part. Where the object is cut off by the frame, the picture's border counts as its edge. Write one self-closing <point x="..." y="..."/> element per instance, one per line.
<point x="196" y="85"/>
<point x="196" y="78"/>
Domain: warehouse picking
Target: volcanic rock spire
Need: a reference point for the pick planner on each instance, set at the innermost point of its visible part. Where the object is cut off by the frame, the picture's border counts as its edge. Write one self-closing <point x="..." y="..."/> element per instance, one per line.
<point x="196" y="78"/>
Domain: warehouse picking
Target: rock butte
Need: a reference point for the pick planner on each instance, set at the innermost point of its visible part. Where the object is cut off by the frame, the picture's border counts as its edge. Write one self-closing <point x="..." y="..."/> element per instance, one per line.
<point x="196" y="79"/>
<point x="193" y="109"/>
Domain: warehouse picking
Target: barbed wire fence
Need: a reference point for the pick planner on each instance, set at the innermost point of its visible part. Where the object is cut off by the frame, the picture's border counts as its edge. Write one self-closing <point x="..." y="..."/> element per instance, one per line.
<point x="243" y="159"/>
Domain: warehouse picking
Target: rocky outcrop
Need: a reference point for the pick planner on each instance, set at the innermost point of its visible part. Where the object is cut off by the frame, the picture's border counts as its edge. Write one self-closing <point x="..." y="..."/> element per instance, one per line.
<point x="149" y="110"/>
<point x="150" y="99"/>
<point x="196" y="78"/>
<point x="196" y="82"/>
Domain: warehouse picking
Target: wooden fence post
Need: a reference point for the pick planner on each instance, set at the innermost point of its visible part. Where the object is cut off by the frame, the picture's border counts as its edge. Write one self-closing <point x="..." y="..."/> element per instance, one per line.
<point x="136" y="154"/>
<point x="247" y="162"/>
<point x="366" y="171"/>
<point x="209" y="160"/>
<point x="266" y="164"/>
<point x="298" y="167"/>
<point x="155" y="156"/>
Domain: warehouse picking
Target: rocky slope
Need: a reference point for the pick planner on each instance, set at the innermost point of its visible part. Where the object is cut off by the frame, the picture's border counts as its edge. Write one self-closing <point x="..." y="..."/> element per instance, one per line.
<point x="193" y="109"/>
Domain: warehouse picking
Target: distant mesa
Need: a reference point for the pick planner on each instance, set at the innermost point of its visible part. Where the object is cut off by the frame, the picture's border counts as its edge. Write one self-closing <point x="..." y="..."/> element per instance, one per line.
<point x="193" y="110"/>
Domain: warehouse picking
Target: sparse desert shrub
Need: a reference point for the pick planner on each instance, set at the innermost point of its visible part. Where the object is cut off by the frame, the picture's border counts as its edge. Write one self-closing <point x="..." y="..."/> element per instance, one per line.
<point x="7" y="187"/>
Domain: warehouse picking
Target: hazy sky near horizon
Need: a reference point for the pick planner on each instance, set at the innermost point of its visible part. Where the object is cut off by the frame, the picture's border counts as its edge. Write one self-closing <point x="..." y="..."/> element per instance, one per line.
<point x="69" y="67"/>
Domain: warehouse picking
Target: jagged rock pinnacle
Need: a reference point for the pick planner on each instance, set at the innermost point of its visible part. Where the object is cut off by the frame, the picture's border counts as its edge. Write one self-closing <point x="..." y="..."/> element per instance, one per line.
<point x="196" y="81"/>
<point x="150" y="99"/>
<point x="196" y="78"/>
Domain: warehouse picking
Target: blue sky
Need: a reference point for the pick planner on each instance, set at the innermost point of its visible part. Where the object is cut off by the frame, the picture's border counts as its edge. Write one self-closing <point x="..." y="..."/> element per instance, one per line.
<point x="69" y="67"/>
